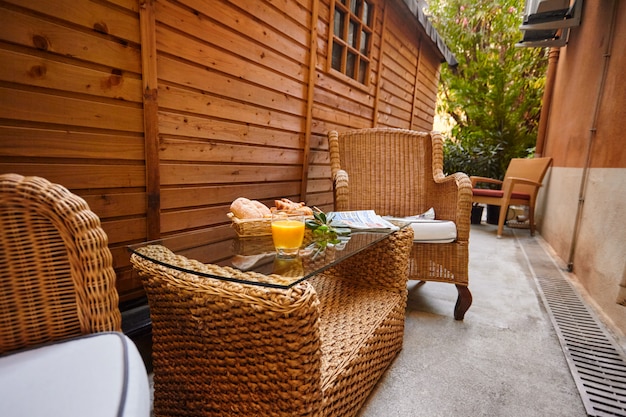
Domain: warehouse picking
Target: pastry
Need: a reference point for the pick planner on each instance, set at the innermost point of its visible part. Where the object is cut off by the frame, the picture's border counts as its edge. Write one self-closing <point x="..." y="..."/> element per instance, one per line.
<point x="284" y="204"/>
<point x="244" y="208"/>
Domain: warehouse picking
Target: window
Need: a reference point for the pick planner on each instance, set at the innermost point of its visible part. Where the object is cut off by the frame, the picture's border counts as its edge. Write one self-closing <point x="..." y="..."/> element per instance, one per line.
<point x="352" y="38"/>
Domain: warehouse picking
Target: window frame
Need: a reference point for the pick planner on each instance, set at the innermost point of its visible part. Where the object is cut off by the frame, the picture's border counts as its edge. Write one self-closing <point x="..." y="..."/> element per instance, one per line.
<point x="355" y="49"/>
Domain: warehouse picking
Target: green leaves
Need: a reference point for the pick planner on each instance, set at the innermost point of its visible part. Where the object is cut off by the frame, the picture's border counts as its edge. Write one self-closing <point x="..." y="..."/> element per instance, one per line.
<point x="319" y="219"/>
<point x="494" y="95"/>
<point x="323" y="230"/>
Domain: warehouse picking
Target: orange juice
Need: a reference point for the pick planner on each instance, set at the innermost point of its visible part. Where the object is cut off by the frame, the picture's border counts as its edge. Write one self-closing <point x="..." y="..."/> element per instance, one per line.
<point x="287" y="234"/>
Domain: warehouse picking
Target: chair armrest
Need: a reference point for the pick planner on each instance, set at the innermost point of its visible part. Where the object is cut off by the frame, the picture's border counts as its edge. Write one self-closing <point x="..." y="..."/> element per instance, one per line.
<point x="475" y="180"/>
<point x="340" y="188"/>
<point x="510" y="183"/>
<point x="517" y="180"/>
<point x="453" y="201"/>
<point x="383" y="265"/>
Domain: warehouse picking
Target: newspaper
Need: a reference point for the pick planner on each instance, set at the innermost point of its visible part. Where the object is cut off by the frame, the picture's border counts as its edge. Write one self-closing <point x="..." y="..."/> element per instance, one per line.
<point x="365" y="220"/>
<point x="426" y="217"/>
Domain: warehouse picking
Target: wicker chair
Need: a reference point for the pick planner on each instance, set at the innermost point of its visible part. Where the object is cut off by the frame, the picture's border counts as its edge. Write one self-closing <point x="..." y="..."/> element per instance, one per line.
<point x="316" y="349"/>
<point x="57" y="286"/>
<point x="399" y="173"/>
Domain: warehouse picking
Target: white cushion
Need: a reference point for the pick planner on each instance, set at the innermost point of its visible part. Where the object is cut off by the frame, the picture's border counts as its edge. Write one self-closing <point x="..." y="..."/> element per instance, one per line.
<point x="96" y="375"/>
<point x="434" y="231"/>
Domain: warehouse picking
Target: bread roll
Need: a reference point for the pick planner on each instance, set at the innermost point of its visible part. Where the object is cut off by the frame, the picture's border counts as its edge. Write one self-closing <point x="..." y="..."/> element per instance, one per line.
<point x="263" y="209"/>
<point x="244" y="208"/>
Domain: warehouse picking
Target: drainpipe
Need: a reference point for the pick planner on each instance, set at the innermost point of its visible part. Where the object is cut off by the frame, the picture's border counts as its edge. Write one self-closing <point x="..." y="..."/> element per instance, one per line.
<point x="553" y="60"/>
<point x="592" y="135"/>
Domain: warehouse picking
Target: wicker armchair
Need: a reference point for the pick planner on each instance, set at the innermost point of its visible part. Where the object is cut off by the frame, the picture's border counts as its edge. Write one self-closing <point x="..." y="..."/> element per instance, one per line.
<point x="399" y="173"/>
<point x="57" y="288"/>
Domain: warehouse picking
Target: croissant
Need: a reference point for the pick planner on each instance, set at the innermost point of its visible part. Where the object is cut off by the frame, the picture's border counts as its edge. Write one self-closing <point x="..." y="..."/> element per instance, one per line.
<point x="284" y="204"/>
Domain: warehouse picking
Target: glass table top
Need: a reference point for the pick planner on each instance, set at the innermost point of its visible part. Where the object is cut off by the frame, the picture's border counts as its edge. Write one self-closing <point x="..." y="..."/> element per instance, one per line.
<point x="254" y="254"/>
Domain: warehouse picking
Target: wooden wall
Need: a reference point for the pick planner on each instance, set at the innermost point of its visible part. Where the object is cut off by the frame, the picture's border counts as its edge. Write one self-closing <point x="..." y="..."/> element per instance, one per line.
<point x="161" y="112"/>
<point x="232" y="100"/>
<point x="409" y="76"/>
<point x="402" y="91"/>
<point x="71" y="107"/>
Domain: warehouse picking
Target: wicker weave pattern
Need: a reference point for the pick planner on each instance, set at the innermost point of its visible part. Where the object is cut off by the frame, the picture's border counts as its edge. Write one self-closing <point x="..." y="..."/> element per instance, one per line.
<point x="362" y="325"/>
<point x="251" y="227"/>
<point x="399" y="172"/>
<point x="316" y="349"/>
<point x="56" y="271"/>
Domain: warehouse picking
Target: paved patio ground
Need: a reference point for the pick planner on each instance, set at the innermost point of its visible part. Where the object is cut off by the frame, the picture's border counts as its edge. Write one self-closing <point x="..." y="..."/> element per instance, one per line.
<point x="503" y="360"/>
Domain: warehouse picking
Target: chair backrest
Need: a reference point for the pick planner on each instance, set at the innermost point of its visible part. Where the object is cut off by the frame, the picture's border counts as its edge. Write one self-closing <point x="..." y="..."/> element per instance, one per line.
<point x="390" y="171"/>
<point x="533" y="169"/>
<point x="56" y="270"/>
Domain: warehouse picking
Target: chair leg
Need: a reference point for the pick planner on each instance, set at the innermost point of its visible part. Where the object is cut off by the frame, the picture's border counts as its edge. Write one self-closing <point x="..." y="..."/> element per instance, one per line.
<point x="463" y="302"/>
<point x="531" y="219"/>
<point x="504" y="208"/>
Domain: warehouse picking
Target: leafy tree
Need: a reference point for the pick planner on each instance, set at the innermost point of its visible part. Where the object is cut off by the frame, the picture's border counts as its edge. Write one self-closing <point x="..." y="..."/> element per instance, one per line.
<point x="494" y="95"/>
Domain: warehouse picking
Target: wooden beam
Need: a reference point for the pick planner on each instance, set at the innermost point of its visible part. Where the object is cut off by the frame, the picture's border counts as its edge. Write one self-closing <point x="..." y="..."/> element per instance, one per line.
<point x="379" y="71"/>
<point x="415" y="89"/>
<point x="147" y="21"/>
<point x="309" y="99"/>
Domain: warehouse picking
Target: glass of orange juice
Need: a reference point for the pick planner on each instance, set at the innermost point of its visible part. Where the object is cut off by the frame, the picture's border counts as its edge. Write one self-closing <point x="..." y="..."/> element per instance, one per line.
<point x="287" y="233"/>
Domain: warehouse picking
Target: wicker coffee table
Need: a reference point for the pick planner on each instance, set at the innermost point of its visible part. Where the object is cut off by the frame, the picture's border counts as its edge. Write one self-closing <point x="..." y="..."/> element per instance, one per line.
<point x="238" y="332"/>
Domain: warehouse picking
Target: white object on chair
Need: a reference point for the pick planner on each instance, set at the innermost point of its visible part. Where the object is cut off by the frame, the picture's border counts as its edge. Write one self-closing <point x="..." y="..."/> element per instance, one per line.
<point x="97" y="375"/>
<point x="428" y="230"/>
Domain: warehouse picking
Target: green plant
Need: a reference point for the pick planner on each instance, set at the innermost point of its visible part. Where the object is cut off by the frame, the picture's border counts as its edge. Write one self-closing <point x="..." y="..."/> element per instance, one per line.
<point x="324" y="232"/>
<point x="493" y="97"/>
<point x="481" y="160"/>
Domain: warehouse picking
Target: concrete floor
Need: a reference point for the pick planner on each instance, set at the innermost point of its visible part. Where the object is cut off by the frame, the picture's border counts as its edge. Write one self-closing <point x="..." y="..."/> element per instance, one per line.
<point x="503" y="360"/>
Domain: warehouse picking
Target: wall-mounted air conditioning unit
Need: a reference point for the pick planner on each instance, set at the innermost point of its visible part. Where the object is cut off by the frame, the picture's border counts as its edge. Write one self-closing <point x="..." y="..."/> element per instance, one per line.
<point x="547" y="22"/>
<point x="551" y="14"/>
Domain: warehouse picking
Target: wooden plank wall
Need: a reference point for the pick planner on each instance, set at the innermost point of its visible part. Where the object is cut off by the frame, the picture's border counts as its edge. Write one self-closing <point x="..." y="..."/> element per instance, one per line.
<point x="410" y="72"/>
<point x="402" y="91"/>
<point x="339" y="104"/>
<point x="71" y="108"/>
<point x="232" y="87"/>
<point x="425" y="100"/>
<point x="221" y="104"/>
<point x="398" y="75"/>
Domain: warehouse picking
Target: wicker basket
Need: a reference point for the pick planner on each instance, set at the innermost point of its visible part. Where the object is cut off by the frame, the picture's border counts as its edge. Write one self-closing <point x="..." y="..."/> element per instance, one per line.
<point x="251" y="227"/>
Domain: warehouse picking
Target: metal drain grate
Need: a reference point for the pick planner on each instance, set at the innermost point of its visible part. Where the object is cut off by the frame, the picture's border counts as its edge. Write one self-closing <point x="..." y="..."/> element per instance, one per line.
<point x="596" y="363"/>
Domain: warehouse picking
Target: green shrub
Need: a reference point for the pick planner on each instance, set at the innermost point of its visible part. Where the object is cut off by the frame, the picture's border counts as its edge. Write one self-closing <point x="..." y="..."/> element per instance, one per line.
<point x="494" y="94"/>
